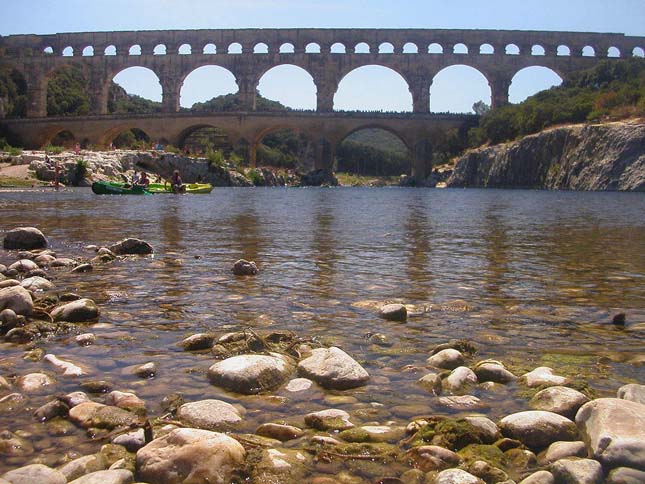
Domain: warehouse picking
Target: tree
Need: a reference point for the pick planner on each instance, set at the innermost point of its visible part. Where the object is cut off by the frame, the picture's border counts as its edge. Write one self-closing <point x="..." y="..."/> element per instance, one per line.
<point x="480" y="108"/>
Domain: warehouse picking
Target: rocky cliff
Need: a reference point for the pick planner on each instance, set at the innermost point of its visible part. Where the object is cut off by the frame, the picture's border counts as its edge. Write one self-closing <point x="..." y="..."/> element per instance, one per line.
<point x="608" y="156"/>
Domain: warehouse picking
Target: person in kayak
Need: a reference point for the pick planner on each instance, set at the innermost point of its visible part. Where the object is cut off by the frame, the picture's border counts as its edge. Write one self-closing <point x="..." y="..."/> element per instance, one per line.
<point x="176" y="183"/>
<point x="144" y="181"/>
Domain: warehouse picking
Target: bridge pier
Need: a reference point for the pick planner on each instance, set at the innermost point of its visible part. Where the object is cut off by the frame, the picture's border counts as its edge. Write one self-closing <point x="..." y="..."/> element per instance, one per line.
<point x="324" y="151"/>
<point x="422" y="155"/>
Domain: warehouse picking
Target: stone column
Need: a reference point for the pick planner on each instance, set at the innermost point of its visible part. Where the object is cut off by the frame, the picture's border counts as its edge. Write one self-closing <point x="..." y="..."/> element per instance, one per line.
<point x="326" y="90"/>
<point x="36" y="93"/>
<point x="246" y="85"/>
<point x="170" y="85"/>
<point x="324" y="154"/>
<point x="422" y="160"/>
<point x="420" y="90"/>
<point x="98" y="91"/>
<point x="499" y="90"/>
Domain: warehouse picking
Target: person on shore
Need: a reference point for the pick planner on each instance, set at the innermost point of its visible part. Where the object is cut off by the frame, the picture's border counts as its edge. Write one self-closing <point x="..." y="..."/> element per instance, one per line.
<point x="176" y="183"/>
<point x="77" y="149"/>
<point x="56" y="175"/>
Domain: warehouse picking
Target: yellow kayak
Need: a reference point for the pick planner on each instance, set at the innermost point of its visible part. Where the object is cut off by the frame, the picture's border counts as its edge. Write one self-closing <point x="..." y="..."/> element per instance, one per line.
<point x="186" y="188"/>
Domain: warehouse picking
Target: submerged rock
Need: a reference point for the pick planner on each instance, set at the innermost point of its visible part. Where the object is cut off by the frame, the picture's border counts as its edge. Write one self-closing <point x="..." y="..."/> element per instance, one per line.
<point x="131" y="246"/>
<point x="543" y="376"/>
<point x="330" y="419"/>
<point x="81" y="310"/>
<point x="432" y="458"/>
<point x="244" y="267"/>
<point x="394" y="312"/>
<point x="26" y="238"/>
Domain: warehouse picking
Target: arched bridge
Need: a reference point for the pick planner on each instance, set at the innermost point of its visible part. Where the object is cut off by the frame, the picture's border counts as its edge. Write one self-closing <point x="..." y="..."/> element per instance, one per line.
<point x="328" y="55"/>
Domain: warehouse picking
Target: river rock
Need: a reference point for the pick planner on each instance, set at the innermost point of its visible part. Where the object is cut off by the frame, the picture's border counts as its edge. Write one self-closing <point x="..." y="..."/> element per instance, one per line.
<point x="563" y="400"/>
<point x="298" y="385"/>
<point x="209" y="414"/>
<point x="36" y="283"/>
<point x="34" y="382"/>
<point x="8" y="283"/>
<point x="82" y="466"/>
<point x="614" y="432"/>
<point x="86" y="267"/>
<point x="43" y="260"/>
<point x="199" y="341"/>
<point x="24" y="265"/>
<point x="543" y="375"/>
<point x="93" y="414"/>
<point x="280" y="432"/>
<point x="537" y="429"/>
<point x="12" y="402"/>
<point x="632" y="392"/>
<point x="190" y="455"/>
<point x="456" y="476"/>
<point x="16" y="298"/>
<point x="81" y="310"/>
<point x="14" y="445"/>
<point x="431" y="382"/>
<point x="75" y="398"/>
<point x="460" y="402"/>
<point x="85" y="339"/>
<point x="26" y="238"/>
<point x="244" y="267"/>
<point x="330" y="419"/>
<point x="280" y="465"/>
<point x="491" y="370"/>
<point x="250" y="374"/>
<point x="333" y="368"/>
<point x="63" y="262"/>
<point x="394" y="312"/>
<point x="125" y="400"/>
<point x="448" y="359"/>
<point x="561" y="450"/>
<point x="539" y="477"/>
<point x="488" y="430"/>
<point x="111" y="476"/>
<point x="625" y="475"/>
<point x="54" y="408"/>
<point x="67" y="367"/>
<point x="430" y="458"/>
<point x="577" y="471"/>
<point x="132" y="441"/>
<point x="131" y="246"/>
<point x="35" y="473"/>
<point x="8" y="319"/>
<point x="459" y="379"/>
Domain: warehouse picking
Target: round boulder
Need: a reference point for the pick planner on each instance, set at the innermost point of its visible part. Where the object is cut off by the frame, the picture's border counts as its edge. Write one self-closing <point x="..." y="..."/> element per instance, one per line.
<point x="244" y="267"/>
<point x="490" y="370"/>
<point x="36" y="283"/>
<point x="448" y="359"/>
<point x="34" y="473"/>
<point x="333" y="368"/>
<point x="250" y="374"/>
<point x="459" y="379"/>
<point x="16" y="298"/>
<point x="537" y="429"/>
<point x="563" y="400"/>
<point x="587" y="471"/>
<point x="394" y="312"/>
<point x="27" y="238"/>
<point x="190" y="455"/>
<point x="131" y="246"/>
<point x="24" y="265"/>
<point x="633" y="392"/>
<point x="209" y="414"/>
<point x="77" y="311"/>
<point x="456" y="476"/>
<point x="543" y="375"/>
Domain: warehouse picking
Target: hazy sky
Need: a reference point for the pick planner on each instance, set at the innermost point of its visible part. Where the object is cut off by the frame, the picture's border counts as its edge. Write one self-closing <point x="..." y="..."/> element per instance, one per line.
<point x="369" y="88"/>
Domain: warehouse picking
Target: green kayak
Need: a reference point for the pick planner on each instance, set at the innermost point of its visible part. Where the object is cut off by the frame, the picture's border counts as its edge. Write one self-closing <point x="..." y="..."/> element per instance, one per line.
<point x="115" y="188"/>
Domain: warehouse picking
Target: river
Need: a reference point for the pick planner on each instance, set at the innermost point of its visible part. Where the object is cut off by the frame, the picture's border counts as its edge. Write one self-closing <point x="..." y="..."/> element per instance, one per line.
<point x="532" y="278"/>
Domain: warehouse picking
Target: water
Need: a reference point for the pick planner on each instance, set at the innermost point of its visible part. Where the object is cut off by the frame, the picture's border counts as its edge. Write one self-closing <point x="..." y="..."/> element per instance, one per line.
<point x="531" y="278"/>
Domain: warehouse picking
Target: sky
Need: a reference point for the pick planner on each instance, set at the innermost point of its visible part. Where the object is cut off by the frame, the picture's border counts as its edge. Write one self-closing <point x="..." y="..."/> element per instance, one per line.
<point x="455" y="89"/>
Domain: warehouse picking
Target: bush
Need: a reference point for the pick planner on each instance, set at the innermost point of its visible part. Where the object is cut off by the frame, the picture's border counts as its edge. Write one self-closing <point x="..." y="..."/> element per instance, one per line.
<point x="215" y="157"/>
<point x="54" y="150"/>
<point x="81" y="171"/>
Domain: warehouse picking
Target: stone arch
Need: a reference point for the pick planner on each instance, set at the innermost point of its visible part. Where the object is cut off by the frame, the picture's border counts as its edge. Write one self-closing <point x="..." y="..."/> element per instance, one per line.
<point x="537" y="50"/>
<point x="386" y="48"/>
<point x="512" y="49"/>
<point x="410" y="48"/>
<point x="457" y="87"/>
<point x="274" y="89"/>
<point x="185" y="49"/>
<point x="613" y="52"/>
<point x="134" y="49"/>
<point x="159" y="49"/>
<point x="486" y="49"/>
<point x="532" y="79"/>
<point x="49" y="50"/>
<point x="370" y="77"/>
<point x="224" y="143"/>
<point x="110" y="50"/>
<point x="460" y="48"/>
<point x="563" y="50"/>
<point x="235" y="48"/>
<point x="68" y="51"/>
<point x="62" y="137"/>
<point x="203" y="76"/>
<point x="312" y="48"/>
<point x="131" y="138"/>
<point x="338" y="48"/>
<point x="435" y="48"/>
<point x="209" y="48"/>
<point x="588" y="51"/>
<point x="139" y="80"/>
<point x="300" y="147"/>
<point x="402" y="164"/>
<point x="362" y="48"/>
<point x="260" y="48"/>
<point x="638" y="52"/>
<point x="88" y="51"/>
<point x="287" y="48"/>
<point x="109" y="135"/>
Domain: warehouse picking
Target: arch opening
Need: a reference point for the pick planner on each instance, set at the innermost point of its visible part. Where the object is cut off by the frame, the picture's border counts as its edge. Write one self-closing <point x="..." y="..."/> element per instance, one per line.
<point x="563" y="50"/>
<point x="68" y="52"/>
<point x="290" y="85"/>
<point x="139" y="86"/>
<point x="386" y="48"/>
<point x="410" y="48"/>
<point x="531" y="80"/>
<point x="338" y="48"/>
<point x="456" y="89"/>
<point x="287" y="48"/>
<point x="373" y="151"/>
<point x="312" y="48"/>
<point x="588" y="51"/>
<point x="159" y="49"/>
<point x="67" y="92"/>
<point x="88" y="51"/>
<point x="209" y="88"/>
<point x="362" y="48"/>
<point x="261" y="48"/>
<point x="64" y="138"/>
<point x="48" y="50"/>
<point x="206" y="140"/>
<point x="638" y="52"/>
<point x="373" y="88"/>
<point x="512" y="49"/>
<point x="284" y="148"/>
<point x="460" y="49"/>
<point x="235" y="48"/>
<point x="486" y="49"/>
<point x="435" y="48"/>
<point x="209" y="48"/>
<point x="134" y="50"/>
<point x="110" y="50"/>
<point x="613" y="52"/>
<point x="537" y="50"/>
<point x="133" y="138"/>
<point x="185" y="49"/>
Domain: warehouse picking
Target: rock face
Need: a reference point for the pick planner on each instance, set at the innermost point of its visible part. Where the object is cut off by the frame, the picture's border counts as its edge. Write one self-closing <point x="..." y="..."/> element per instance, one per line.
<point x="582" y="157"/>
<point x="317" y="178"/>
<point x="333" y="368"/>
<point x="614" y="432"/>
<point x="27" y="238"/>
<point x="190" y="455"/>
<point x="251" y="374"/>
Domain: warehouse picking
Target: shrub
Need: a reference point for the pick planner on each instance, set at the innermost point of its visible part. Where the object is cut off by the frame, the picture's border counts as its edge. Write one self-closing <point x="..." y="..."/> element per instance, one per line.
<point x="54" y="150"/>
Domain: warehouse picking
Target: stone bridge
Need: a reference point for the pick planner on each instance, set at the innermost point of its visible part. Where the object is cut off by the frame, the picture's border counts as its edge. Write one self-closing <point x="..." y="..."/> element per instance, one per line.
<point x="245" y="130"/>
